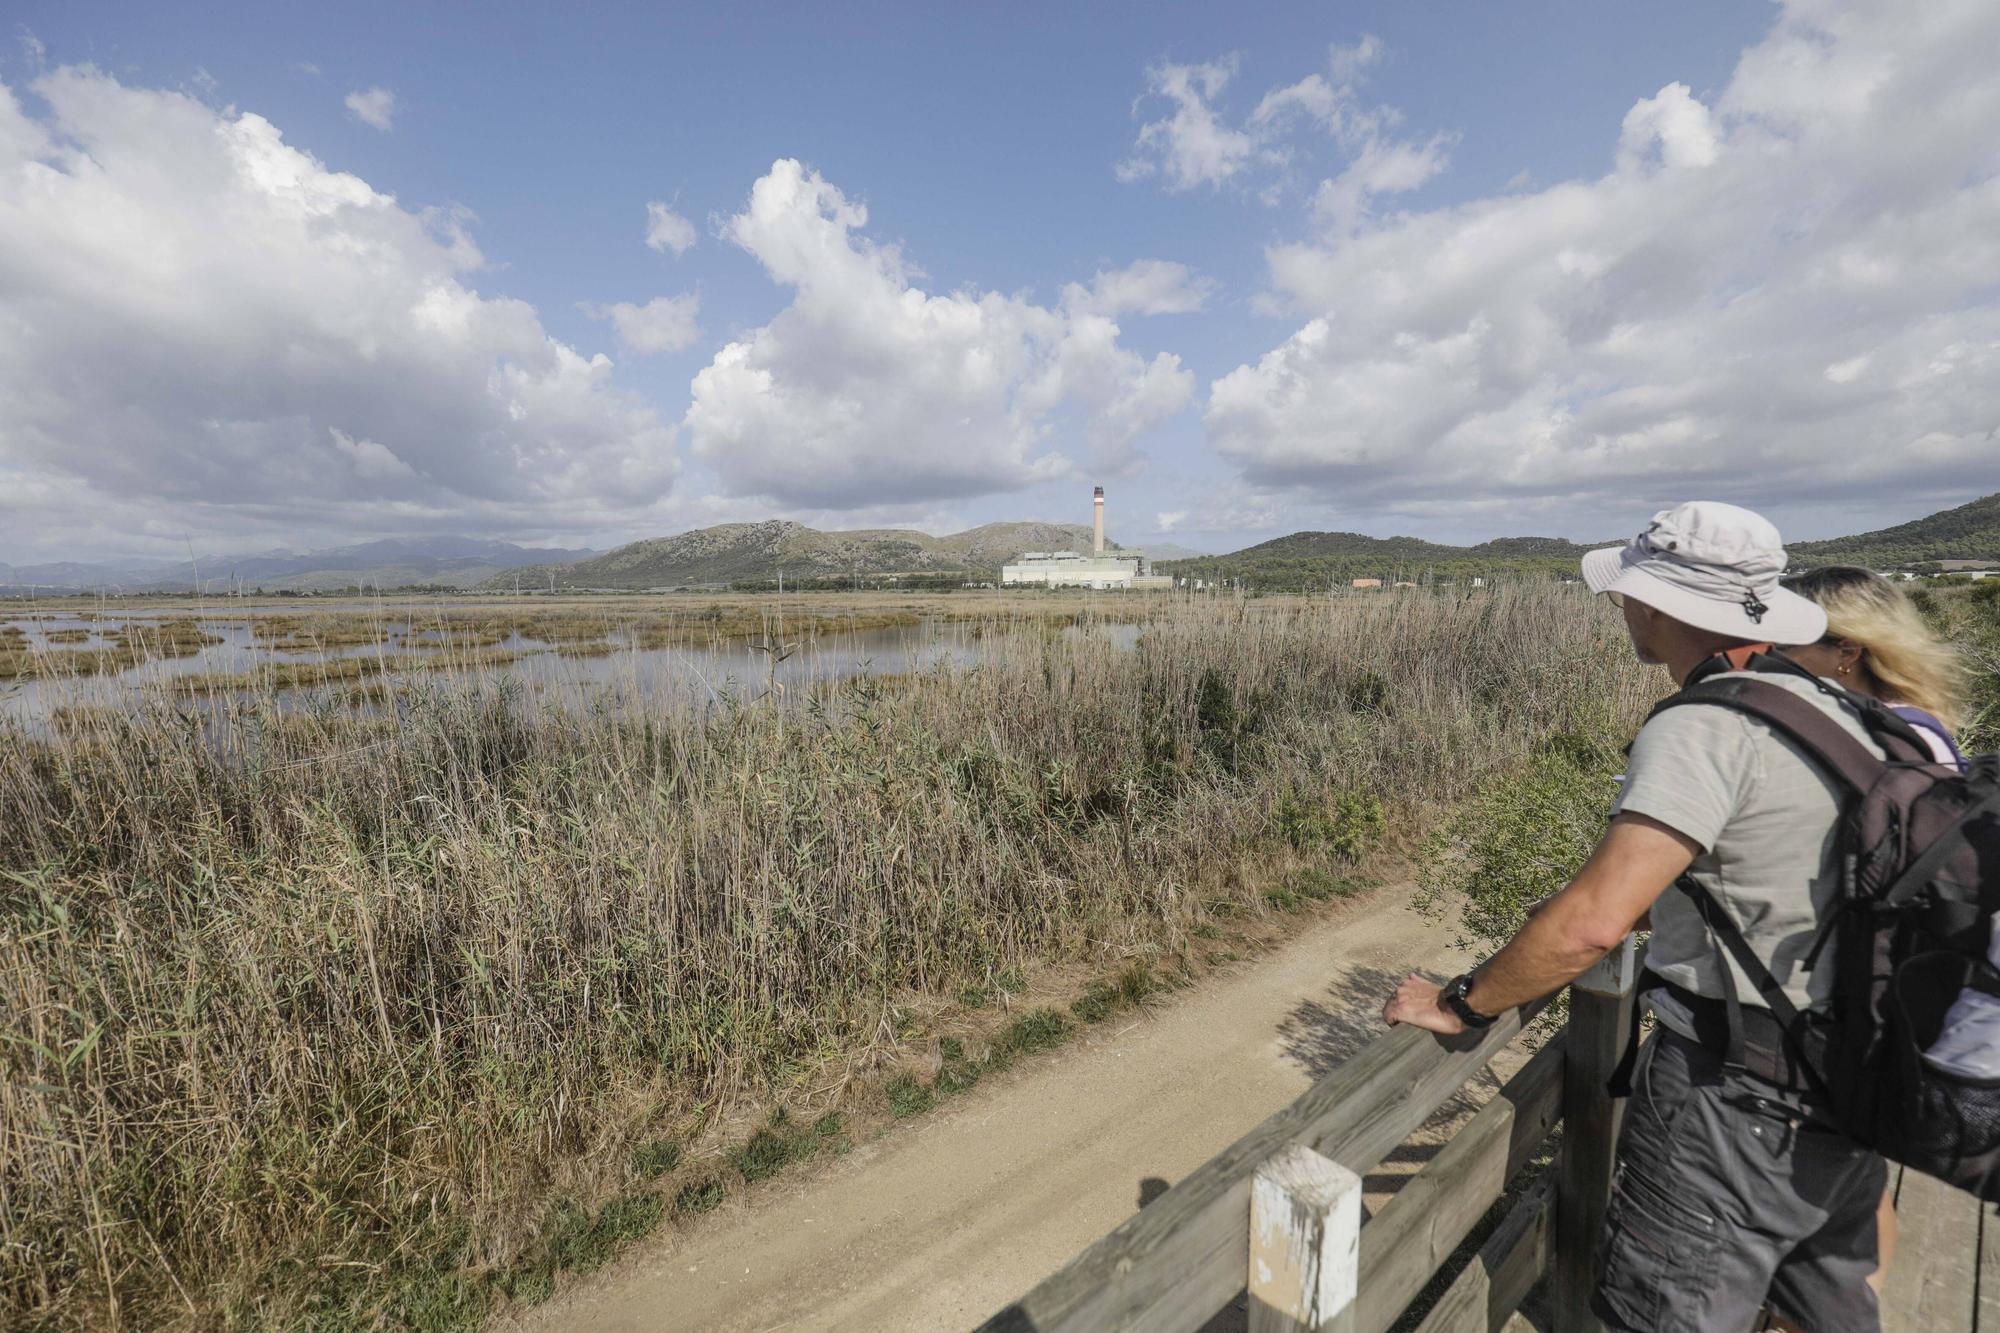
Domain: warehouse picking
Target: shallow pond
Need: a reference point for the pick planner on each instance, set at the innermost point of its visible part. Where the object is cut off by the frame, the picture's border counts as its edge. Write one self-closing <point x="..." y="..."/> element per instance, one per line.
<point x="744" y="667"/>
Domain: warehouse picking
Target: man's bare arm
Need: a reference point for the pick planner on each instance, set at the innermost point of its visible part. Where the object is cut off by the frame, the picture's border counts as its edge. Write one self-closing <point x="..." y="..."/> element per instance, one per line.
<point x="1633" y="864"/>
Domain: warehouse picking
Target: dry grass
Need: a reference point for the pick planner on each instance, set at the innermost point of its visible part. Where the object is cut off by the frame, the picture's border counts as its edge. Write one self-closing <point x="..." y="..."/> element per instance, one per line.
<point x="310" y="1013"/>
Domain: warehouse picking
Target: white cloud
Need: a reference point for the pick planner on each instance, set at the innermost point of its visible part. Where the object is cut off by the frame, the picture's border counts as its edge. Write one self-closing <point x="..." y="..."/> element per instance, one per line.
<point x="371" y="461"/>
<point x="373" y="106"/>
<point x="1191" y="146"/>
<point x="667" y="230"/>
<point x="663" y="324"/>
<point x="1194" y="146"/>
<point x="203" y="328"/>
<point x="1169" y="519"/>
<point x="868" y="390"/>
<point x="1672" y="122"/>
<point x="1783" y="295"/>
<point x="1381" y="166"/>
<point x="1144" y="287"/>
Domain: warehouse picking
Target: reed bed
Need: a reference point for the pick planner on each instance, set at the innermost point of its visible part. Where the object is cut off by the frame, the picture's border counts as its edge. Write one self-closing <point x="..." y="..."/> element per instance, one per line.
<point x="298" y="999"/>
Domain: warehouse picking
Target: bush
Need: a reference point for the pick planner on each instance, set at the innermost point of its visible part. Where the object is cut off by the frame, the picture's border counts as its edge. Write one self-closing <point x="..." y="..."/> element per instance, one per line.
<point x="1343" y="826"/>
<point x="1523" y="835"/>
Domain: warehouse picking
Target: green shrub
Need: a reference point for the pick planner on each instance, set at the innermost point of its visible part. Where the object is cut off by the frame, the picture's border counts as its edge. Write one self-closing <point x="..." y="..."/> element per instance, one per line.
<point x="1523" y="835"/>
<point x="1344" y="825"/>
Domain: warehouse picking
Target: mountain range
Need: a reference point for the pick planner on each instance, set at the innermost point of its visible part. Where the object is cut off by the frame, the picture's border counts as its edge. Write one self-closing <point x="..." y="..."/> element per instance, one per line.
<point x="1966" y="535"/>
<point x="761" y="553"/>
<point x="394" y="562"/>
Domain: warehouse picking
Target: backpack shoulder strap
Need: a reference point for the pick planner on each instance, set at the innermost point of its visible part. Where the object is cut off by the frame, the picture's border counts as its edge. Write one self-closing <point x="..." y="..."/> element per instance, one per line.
<point x="1799" y="719"/>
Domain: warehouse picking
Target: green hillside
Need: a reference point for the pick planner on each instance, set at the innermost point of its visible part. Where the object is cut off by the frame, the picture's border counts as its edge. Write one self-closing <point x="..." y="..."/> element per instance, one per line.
<point x="751" y="554"/>
<point x="1310" y="561"/>
<point x="1969" y="532"/>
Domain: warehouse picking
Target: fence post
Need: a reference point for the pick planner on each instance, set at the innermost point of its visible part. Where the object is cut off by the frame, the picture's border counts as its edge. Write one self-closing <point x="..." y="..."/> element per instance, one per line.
<point x="1600" y="1017"/>
<point x="1305" y="1235"/>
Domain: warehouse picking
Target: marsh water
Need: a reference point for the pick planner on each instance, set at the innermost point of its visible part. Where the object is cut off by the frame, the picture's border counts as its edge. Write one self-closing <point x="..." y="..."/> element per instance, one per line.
<point x="738" y="666"/>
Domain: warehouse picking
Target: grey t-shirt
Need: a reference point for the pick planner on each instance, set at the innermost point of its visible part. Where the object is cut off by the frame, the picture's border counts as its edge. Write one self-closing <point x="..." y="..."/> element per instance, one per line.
<point x="1765" y="817"/>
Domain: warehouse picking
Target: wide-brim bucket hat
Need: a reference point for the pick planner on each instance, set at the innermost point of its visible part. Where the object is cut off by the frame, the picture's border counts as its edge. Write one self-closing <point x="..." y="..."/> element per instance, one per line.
<point x="1713" y="566"/>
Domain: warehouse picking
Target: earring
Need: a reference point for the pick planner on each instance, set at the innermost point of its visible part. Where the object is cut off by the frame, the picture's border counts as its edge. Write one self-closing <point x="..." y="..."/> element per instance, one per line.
<point x="1844" y="670"/>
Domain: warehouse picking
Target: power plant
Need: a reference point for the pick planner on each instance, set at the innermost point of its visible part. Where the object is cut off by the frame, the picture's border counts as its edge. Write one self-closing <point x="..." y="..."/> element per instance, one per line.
<point x="1068" y="569"/>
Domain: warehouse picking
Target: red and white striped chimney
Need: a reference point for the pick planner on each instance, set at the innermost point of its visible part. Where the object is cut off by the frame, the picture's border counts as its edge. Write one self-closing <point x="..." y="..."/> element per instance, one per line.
<point x="1097" y="543"/>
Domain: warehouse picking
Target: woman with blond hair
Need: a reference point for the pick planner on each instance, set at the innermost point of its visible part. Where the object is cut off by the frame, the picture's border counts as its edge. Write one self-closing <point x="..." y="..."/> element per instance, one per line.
<point x="1877" y="643"/>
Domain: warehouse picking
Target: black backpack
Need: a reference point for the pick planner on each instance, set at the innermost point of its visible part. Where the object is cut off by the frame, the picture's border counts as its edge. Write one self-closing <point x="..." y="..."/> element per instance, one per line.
<point x="1919" y="879"/>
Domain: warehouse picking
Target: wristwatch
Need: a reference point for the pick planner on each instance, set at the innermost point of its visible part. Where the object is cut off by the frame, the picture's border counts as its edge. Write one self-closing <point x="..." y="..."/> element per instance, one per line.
<point x="1452" y="998"/>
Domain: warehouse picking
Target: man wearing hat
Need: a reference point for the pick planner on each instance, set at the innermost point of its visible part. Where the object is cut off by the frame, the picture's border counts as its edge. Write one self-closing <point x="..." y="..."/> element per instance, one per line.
<point x="1734" y="1194"/>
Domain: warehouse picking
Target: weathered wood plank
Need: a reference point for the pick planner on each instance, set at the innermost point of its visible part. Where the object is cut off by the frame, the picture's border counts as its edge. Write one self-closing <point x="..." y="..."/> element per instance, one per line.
<point x="1404" y="1244"/>
<point x="1171" y="1266"/>
<point x="1986" y="1312"/>
<point x="1486" y="1293"/>
<point x="1930" y="1283"/>
<point x="1600" y="1022"/>
<point x="1305" y="1225"/>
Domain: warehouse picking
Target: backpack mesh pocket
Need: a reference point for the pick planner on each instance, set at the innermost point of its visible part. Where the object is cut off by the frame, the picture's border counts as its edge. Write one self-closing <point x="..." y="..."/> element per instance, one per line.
<point x="1951" y="1128"/>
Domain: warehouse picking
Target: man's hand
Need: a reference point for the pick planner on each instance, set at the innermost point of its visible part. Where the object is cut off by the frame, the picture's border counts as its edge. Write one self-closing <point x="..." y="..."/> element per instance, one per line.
<point x="1416" y="1003"/>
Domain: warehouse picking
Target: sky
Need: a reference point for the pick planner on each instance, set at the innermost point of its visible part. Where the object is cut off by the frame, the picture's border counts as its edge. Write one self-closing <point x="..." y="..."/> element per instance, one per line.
<point x="289" y="276"/>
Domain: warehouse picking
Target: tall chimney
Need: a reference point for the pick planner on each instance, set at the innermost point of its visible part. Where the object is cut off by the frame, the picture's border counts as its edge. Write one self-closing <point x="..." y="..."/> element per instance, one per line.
<point x="1097" y="502"/>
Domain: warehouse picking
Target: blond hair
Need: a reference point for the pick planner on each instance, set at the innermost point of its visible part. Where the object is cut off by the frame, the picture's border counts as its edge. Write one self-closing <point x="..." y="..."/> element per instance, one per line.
<point x="1901" y="651"/>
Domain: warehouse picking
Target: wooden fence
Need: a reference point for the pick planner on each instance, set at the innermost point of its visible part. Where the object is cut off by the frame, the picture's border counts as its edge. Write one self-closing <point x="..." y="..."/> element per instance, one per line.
<point x="1278" y="1213"/>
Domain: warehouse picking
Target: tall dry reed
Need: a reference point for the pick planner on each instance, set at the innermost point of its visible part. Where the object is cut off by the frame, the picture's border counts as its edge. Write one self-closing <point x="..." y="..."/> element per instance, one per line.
<point x="292" y="995"/>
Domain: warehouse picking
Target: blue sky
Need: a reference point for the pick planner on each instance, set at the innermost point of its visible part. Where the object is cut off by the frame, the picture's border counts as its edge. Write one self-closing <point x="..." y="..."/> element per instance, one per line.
<point x="1334" y="330"/>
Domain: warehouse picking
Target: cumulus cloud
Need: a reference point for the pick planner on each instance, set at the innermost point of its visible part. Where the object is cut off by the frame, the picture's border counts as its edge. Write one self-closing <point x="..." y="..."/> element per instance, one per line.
<point x="1782" y="295"/>
<point x="1190" y="146"/>
<point x="663" y="324"/>
<point x="867" y="389"/>
<point x="204" y="328"/>
<point x="667" y="230"/>
<point x="373" y="106"/>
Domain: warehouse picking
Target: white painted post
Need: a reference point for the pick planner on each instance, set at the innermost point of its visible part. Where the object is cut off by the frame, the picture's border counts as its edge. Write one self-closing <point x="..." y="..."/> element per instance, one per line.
<point x="1305" y="1237"/>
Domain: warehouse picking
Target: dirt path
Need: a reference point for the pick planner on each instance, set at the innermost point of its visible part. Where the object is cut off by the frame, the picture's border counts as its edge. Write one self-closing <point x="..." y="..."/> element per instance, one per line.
<point x="940" y="1223"/>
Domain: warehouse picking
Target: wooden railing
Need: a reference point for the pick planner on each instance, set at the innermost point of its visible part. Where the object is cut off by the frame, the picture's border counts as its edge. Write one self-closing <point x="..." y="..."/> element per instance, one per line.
<point x="1278" y="1213"/>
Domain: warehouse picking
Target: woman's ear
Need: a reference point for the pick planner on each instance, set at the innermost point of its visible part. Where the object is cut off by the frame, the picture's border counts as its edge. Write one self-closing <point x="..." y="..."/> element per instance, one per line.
<point x="1849" y="654"/>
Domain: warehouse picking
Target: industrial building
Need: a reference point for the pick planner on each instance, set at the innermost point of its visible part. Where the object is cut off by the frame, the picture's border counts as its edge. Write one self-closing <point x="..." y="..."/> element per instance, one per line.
<point x="1068" y="569"/>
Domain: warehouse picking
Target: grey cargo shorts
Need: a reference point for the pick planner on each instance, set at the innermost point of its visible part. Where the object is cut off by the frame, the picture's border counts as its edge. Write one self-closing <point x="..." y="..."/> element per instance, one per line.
<point x="1729" y="1198"/>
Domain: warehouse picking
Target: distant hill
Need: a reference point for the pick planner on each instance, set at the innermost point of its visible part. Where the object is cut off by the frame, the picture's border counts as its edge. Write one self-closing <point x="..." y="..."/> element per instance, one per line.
<point x="1309" y="561"/>
<point x="1969" y="532"/>
<point x="456" y="562"/>
<point x="738" y="553"/>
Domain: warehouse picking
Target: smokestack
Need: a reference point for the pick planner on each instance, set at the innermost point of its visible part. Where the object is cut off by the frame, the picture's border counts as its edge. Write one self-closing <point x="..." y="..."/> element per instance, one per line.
<point x="1097" y="502"/>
